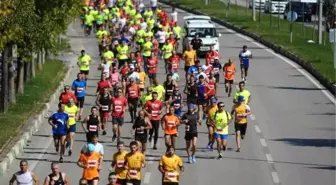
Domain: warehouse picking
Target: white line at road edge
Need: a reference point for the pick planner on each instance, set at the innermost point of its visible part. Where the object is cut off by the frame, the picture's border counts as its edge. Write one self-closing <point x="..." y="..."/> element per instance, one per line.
<point x="147" y="177"/>
<point x="275" y="178"/>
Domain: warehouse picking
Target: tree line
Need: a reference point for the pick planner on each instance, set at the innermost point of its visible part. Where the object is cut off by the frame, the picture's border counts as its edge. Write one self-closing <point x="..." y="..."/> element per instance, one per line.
<point x="29" y="31"/>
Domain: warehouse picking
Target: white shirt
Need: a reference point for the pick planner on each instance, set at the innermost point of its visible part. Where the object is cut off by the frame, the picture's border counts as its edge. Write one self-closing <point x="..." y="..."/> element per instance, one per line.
<point x="153" y="3"/>
<point x="110" y="3"/>
<point x="243" y="54"/>
<point x="122" y="22"/>
<point x="141" y="7"/>
<point x="132" y="30"/>
<point x="106" y="69"/>
<point x="24" y="178"/>
<point x="134" y="75"/>
<point x="161" y="36"/>
<point x="174" y="16"/>
<point x="199" y="74"/>
<point x="143" y="25"/>
<point x="98" y="148"/>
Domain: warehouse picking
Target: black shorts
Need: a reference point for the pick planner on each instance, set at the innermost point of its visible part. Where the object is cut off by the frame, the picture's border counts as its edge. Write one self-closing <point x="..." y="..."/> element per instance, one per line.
<point x="190" y="136"/>
<point x="171" y="135"/>
<point x="152" y="75"/>
<point x="85" y="72"/>
<point x="58" y="136"/>
<point x="217" y="78"/>
<point x="91" y="180"/>
<point x="133" y="101"/>
<point x="192" y="101"/>
<point x="117" y="121"/>
<point x="142" y="138"/>
<point x="241" y="127"/>
<point x="245" y="67"/>
<point x="161" y="45"/>
<point x="201" y="101"/>
<point x="167" y="97"/>
<point x="186" y="68"/>
<point x="80" y="102"/>
<point x="122" y="181"/>
<point x="228" y="81"/>
<point x="170" y="183"/>
<point x="134" y="181"/>
<point x="142" y="89"/>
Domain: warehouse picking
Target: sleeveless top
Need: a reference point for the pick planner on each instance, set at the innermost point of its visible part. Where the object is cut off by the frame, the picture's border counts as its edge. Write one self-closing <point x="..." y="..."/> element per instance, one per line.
<point x="169" y="88"/>
<point x="139" y="122"/>
<point x="92" y="123"/>
<point x="105" y="101"/>
<point x="24" y="178"/>
<point x="59" y="181"/>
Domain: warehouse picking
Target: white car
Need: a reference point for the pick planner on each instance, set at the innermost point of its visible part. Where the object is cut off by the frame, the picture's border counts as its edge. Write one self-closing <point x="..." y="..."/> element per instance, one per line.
<point x="258" y="4"/>
<point x="202" y="26"/>
<point x="275" y="6"/>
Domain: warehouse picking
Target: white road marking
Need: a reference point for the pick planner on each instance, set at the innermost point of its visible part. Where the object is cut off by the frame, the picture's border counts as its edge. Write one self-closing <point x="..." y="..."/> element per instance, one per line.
<point x="252" y="116"/>
<point x="269" y="158"/>
<point x="263" y="142"/>
<point x="275" y="177"/>
<point x="257" y="129"/>
<point x="147" y="177"/>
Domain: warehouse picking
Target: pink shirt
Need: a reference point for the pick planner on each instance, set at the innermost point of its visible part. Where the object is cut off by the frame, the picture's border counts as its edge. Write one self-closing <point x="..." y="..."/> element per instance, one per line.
<point x="114" y="77"/>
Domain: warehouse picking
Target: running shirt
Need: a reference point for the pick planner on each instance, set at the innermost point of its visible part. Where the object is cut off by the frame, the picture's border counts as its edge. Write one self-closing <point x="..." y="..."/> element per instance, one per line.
<point x="171" y="167"/>
<point x="193" y="70"/>
<point x="169" y="88"/>
<point x="174" y="62"/>
<point x="118" y="104"/>
<point x="154" y="109"/>
<point x="119" y="160"/>
<point x="84" y="62"/>
<point x="134" y="163"/>
<point x="106" y="69"/>
<point x="170" y="124"/>
<point x="103" y="84"/>
<point x="189" y="57"/>
<point x="105" y="102"/>
<point x="92" y="124"/>
<point x="60" y="119"/>
<point x="160" y="90"/>
<point x="25" y="178"/>
<point x="142" y="79"/>
<point x="191" y="125"/>
<point x="79" y="86"/>
<point x="201" y="90"/>
<point x="92" y="163"/>
<point x="152" y="65"/>
<point x="211" y="111"/>
<point x="140" y="122"/>
<point x="221" y="122"/>
<point x="177" y="101"/>
<point x="71" y="111"/>
<point x="210" y="88"/>
<point x="216" y="68"/>
<point x="64" y="97"/>
<point x="244" y="57"/>
<point x="133" y="91"/>
<point x="145" y="97"/>
<point x="229" y="71"/>
<point x="114" y="78"/>
<point x="239" y="113"/>
<point x="244" y="93"/>
<point x="161" y="36"/>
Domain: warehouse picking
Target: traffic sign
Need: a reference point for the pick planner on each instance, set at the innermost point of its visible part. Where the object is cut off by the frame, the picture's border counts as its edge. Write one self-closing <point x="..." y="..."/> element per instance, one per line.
<point x="332" y="35"/>
<point x="292" y="16"/>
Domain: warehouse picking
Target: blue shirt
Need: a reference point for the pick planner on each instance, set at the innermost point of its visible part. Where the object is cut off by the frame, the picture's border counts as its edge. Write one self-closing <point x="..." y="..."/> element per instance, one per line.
<point x="193" y="70"/>
<point x="201" y="91"/>
<point x="79" y="88"/>
<point x="124" y="39"/>
<point x="60" y="119"/>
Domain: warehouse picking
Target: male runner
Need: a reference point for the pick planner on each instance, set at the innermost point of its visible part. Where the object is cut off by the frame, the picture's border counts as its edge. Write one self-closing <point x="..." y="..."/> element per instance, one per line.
<point x="79" y="86"/>
<point x="134" y="161"/>
<point x="170" y="166"/>
<point x="92" y="124"/>
<point x="119" y="107"/>
<point x="169" y="124"/>
<point x="118" y="163"/>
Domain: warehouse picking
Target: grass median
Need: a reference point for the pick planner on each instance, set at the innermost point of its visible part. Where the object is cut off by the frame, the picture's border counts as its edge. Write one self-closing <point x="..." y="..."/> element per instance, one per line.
<point x="36" y="93"/>
<point x="320" y="56"/>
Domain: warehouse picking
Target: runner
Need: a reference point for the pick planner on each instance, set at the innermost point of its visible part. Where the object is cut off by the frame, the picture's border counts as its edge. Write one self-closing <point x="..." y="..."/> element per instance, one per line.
<point x="103" y="101"/>
<point x="189" y="56"/>
<point x="169" y="124"/>
<point x="118" y="163"/>
<point x="153" y="109"/>
<point x="177" y="102"/>
<point x="119" y="104"/>
<point x="174" y="62"/>
<point x="229" y="71"/>
<point x="191" y="90"/>
<point x="105" y="69"/>
<point x="58" y="122"/>
<point x="134" y="161"/>
<point x="244" y="57"/>
<point x="157" y="87"/>
<point x="211" y="56"/>
<point x="152" y="68"/>
<point x="217" y="66"/>
<point x="115" y="79"/>
<point x="240" y="111"/>
<point x="168" y="85"/>
<point x="147" y="51"/>
<point x="146" y="96"/>
<point x="91" y="162"/>
<point x="79" y="86"/>
<point x="133" y="93"/>
<point x="64" y="96"/>
<point x="24" y="176"/>
<point x="140" y="128"/>
<point x="212" y="109"/>
<point x="221" y="120"/>
<point x="201" y="101"/>
<point x="113" y="180"/>
<point x="72" y="110"/>
<point x="103" y="84"/>
<point x="167" y="51"/>
<point x="242" y="92"/>
<point x="142" y="79"/>
<point x="99" y="148"/>
<point x="56" y="177"/>
<point x="83" y="63"/>
<point x="196" y="44"/>
<point x="170" y="166"/>
<point x="92" y="124"/>
<point x="191" y="134"/>
<point x="122" y="53"/>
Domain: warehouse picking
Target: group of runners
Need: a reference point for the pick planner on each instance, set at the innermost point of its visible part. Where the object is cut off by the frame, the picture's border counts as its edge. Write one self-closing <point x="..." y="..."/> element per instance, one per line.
<point x="133" y="40"/>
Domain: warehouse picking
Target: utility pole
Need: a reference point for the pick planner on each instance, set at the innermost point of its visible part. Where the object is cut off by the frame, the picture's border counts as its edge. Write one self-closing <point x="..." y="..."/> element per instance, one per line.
<point x="206" y="2"/>
<point x="259" y="11"/>
<point x="320" y="19"/>
<point x="253" y="10"/>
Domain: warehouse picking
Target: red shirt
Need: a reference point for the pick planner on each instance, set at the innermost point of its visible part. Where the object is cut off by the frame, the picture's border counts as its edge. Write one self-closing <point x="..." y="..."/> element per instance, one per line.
<point x="172" y="41"/>
<point x="152" y="62"/>
<point x="133" y="91"/>
<point x="103" y="84"/>
<point x="139" y="60"/>
<point x="156" y="46"/>
<point x="208" y="70"/>
<point x="118" y="105"/>
<point x="64" y="97"/>
<point x="175" y="61"/>
<point x="210" y="56"/>
<point x="210" y="88"/>
<point x="124" y="71"/>
<point x="154" y="108"/>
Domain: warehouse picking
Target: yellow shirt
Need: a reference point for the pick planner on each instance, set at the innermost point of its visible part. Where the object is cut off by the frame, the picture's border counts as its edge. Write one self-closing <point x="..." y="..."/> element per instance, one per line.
<point x="212" y="111"/>
<point x="239" y="111"/>
<point x="145" y="97"/>
<point x="221" y="122"/>
<point x="120" y="170"/>
<point x="134" y="164"/>
<point x="160" y="90"/>
<point x="171" y="167"/>
<point x="84" y="62"/>
<point x="142" y="79"/>
<point x="71" y="111"/>
<point x="167" y="50"/>
<point x="147" y="49"/>
<point x="244" y="93"/>
<point x="189" y="57"/>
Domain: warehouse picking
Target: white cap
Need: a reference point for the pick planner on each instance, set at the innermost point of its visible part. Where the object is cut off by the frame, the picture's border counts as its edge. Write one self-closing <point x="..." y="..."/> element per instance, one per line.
<point x="216" y="58"/>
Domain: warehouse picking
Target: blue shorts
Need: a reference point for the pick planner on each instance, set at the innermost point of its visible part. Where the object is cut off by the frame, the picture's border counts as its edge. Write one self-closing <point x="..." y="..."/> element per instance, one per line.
<point x="178" y="113"/>
<point x="221" y="136"/>
<point x="72" y="128"/>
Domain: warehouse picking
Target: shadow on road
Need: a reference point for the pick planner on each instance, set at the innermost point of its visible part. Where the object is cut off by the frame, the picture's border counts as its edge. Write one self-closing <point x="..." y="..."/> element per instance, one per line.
<point x="309" y="142"/>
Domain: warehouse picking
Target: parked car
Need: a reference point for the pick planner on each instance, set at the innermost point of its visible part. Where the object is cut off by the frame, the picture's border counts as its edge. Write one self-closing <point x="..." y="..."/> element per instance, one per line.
<point x="275" y="6"/>
<point x="259" y="4"/>
<point x="303" y="10"/>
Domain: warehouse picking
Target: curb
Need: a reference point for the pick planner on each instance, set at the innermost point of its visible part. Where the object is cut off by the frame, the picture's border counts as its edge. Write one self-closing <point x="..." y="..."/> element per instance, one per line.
<point x="276" y="48"/>
<point x="18" y="147"/>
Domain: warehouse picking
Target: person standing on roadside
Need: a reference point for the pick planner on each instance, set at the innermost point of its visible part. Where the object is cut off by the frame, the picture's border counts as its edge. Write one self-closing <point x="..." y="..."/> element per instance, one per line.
<point x="24" y="176"/>
<point x="58" y="122"/>
<point x="79" y="86"/>
<point x="196" y="44"/>
<point x="56" y="177"/>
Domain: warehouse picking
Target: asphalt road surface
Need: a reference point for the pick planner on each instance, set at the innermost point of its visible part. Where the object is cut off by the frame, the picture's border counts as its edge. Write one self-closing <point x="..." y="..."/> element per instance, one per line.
<point x="290" y="138"/>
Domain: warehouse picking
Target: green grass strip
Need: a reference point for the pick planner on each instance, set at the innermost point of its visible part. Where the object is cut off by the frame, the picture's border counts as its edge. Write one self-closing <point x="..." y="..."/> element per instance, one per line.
<point x="320" y="56"/>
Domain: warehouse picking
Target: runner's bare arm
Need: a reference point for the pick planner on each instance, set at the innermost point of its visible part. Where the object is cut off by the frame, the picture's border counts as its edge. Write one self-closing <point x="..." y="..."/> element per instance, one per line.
<point x="66" y="179"/>
<point x="13" y="179"/>
<point x="35" y="179"/>
<point x="46" y="180"/>
<point x="97" y="100"/>
<point x="84" y="124"/>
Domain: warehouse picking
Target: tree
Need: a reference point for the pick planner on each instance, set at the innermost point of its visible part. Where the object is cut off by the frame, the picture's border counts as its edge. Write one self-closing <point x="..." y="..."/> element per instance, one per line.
<point x="330" y="13"/>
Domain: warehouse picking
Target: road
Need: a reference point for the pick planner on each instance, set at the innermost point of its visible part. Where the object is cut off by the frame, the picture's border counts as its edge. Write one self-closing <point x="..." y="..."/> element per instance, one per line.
<point x="290" y="139"/>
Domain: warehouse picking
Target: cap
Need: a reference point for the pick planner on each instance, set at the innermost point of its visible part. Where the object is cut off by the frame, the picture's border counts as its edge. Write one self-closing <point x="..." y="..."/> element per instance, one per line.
<point x="241" y="98"/>
<point x="132" y="66"/>
<point x="91" y="147"/>
<point x="213" y="99"/>
<point x="216" y="58"/>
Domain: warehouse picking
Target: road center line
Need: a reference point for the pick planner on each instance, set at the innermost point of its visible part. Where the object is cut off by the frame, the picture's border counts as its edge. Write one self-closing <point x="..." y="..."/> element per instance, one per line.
<point x="257" y="129"/>
<point x="269" y="158"/>
<point x="147" y="177"/>
<point x="275" y="177"/>
<point x="263" y="142"/>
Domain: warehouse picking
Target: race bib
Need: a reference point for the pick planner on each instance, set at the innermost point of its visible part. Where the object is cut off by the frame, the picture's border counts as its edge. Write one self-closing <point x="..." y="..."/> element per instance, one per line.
<point x="177" y="105"/>
<point x="105" y="108"/>
<point x="219" y="129"/>
<point x="155" y="113"/>
<point x="187" y="128"/>
<point x="216" y="69"/>
<point x="93" y="128"/>
<point x="118" y="108"/>
<point x="174" y="66"/>
<point x="171" y="123"/>
<point x="72" y="115"/>
<point x="79" y="89"/>
<point x="120" y="163"/>
<point x="85" y="63"/>
<point x="211" y="87"/>
<point x="171" y="176"/>
<point x="92" y="163"/>
<point x="169" y="90"/>
<point x="133" y="173"/>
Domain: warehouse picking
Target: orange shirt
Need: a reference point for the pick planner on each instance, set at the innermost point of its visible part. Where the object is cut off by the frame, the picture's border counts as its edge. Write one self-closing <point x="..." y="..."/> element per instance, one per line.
<point x="170" y="123"/>
<point x="133" y="91"/>
<point x="229" y="71"/>
<point x="92" y="162"/>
